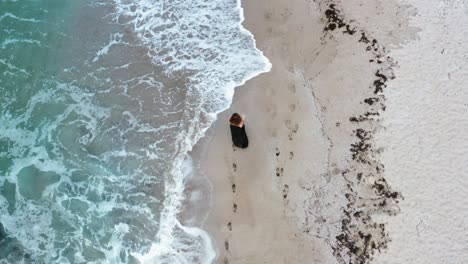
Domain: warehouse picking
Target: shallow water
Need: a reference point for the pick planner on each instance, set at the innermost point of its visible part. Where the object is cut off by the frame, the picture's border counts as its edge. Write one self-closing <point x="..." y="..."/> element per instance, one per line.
<point x="100" y="102"/>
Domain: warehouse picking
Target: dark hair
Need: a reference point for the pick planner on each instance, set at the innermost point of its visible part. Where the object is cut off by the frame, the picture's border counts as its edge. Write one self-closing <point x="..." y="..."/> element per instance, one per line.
<point x="235" y="119"/>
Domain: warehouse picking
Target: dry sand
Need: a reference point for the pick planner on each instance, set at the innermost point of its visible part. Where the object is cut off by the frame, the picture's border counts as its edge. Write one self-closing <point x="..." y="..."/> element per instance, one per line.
<point x="310" y="185"/>
<point x="426" y="139"/>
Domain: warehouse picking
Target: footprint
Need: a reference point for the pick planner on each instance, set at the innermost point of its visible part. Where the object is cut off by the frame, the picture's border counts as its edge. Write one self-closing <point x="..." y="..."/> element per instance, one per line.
<point x="295" y="128"/>
<point x="233" y="188"/>
<point x="292" y="131"/>
<point x="234" y="207"/>
<point x="291" y="155"/>
<point x="274" y="134"/>
<point x="292" y="107"/>
<point x="285" y="191"/>
<point x="292" y="128"/>
<point x="225" y="260"/>
<point x="271" y="110"/>
<point x="234" y="167"/>
<point x="277" y="152"/>
<point x="336" y="171"/>
<point x="279" y="171"/>
<point x="229" y="226"/>
<point x="233" y="147"/>
<point x="226" y="245"/>
<point x="292" y="88"/>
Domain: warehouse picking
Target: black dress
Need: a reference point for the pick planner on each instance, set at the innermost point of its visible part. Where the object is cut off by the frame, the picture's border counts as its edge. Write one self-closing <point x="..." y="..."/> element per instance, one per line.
<point x="239" y="137"/>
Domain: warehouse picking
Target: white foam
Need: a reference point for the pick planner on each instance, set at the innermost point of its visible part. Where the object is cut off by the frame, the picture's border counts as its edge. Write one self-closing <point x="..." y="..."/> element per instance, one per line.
<point x="22" y="19"/>
<point x="115" y="243"/>
<point x="114" y="39"/>
<point x="14" y="68"/>
<point x="10" y="41"/>
<point x="206" y="38"/>
<point x="31" y="221"/>
<point x="220" y="55"/>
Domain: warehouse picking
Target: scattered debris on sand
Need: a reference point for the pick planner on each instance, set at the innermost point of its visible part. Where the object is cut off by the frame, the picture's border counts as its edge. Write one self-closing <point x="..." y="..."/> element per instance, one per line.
<point x="368" y="193"/>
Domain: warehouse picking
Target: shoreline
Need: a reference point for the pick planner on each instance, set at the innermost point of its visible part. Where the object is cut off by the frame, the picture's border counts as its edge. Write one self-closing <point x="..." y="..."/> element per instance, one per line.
<point x="282" y="199"/>
<point x="181" y="215"/>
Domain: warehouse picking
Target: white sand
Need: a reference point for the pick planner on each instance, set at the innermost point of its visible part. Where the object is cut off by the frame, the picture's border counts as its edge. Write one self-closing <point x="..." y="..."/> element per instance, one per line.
<point x="311" y="186"/>
<point x="426" y="139"/>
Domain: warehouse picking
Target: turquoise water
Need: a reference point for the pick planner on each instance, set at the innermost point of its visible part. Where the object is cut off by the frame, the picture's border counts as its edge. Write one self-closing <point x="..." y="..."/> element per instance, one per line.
<point x="70" y="194"/>
<point x="100" y="102"/>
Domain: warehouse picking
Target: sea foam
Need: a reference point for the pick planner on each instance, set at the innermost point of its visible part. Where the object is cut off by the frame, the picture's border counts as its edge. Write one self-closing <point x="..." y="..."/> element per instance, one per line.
<point x="207" y="39"/>
<point x="93" y="147"/>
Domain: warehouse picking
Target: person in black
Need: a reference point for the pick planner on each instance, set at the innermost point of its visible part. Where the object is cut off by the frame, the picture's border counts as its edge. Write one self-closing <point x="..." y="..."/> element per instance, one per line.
<point x="239" y="136"/>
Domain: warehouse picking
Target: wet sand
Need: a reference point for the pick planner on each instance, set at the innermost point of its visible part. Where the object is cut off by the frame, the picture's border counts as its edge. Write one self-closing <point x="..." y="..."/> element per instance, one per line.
<point x="310" y="186"/>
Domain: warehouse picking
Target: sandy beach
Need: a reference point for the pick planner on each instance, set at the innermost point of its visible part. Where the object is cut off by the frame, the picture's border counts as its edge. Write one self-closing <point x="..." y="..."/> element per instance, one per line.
<point x="115" y="144"/>
<point x="311" y="187"/>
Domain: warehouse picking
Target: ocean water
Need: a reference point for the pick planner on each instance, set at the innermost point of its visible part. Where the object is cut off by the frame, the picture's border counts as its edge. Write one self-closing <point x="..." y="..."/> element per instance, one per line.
<point x="99" y="103"/>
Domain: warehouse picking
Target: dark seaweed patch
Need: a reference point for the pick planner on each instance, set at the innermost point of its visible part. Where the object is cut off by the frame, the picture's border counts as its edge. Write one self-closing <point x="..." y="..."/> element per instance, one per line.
<point x="366" y="117"/>
<point x="334" y="20"/>
<point x="364" y="38"/>
<point x="367" y="190"/>
<point x="371" y="100"/>
<point x="379" y="83"/>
